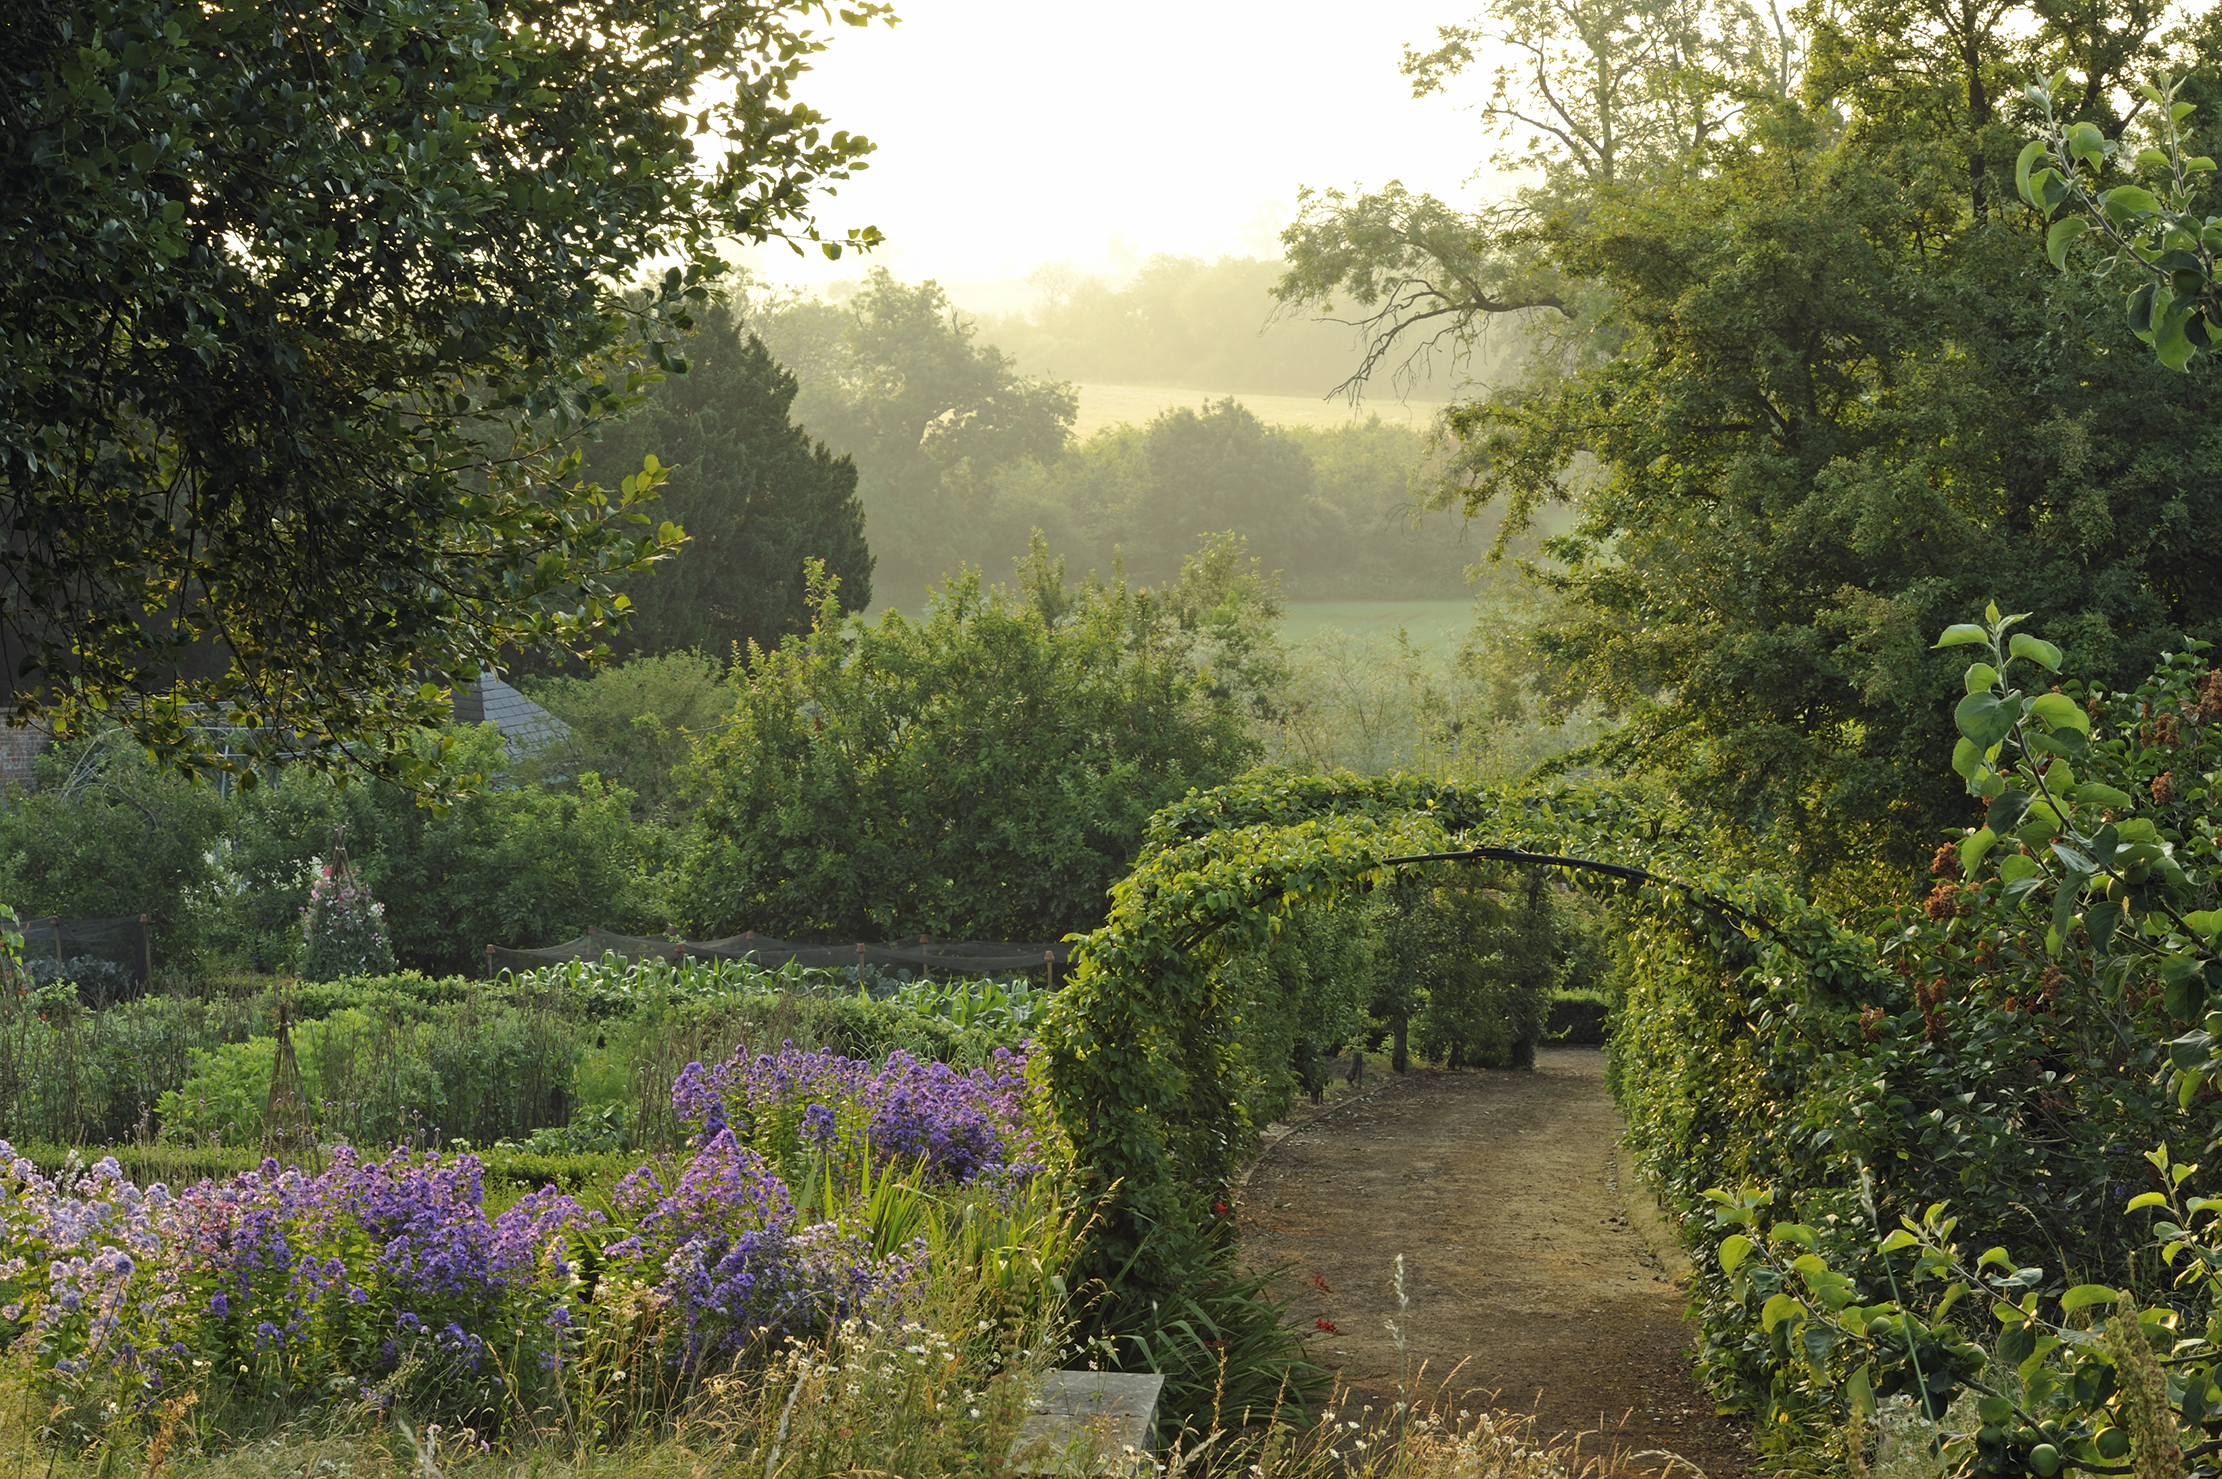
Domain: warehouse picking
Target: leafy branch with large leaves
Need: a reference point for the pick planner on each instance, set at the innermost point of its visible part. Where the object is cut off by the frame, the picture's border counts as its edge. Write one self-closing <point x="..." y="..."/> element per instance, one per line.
<point x="2011" y="1369"/>
<point x="2115" y="875"/>
<point x="2153" y="234"/>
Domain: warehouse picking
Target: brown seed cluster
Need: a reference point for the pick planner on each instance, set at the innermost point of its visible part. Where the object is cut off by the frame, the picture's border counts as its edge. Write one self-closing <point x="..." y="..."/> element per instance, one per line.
<point x="1946" y="864"/>
<point x="1929" y="996"/>
<point x="2164" y="788"/>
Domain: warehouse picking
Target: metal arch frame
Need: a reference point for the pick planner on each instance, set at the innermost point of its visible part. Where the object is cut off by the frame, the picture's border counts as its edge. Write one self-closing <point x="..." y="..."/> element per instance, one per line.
<point x="1515" y="855"/>
<point x="1735" y="914"/>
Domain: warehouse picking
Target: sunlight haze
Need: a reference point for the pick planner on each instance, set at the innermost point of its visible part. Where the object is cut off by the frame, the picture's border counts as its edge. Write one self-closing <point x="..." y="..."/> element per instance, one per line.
<point x="1013" y="134"/>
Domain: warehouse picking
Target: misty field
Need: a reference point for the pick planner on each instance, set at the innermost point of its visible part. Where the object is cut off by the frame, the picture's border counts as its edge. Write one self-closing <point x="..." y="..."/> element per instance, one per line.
<point x="1134" y="405"/>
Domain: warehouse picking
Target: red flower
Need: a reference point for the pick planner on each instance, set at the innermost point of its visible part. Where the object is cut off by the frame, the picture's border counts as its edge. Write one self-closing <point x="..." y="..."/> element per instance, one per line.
<point x="1325" y="1324"/>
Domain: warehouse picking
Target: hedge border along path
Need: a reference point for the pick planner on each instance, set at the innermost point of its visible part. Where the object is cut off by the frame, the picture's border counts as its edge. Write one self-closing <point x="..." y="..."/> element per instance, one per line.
<point x="1140" y="1047"/>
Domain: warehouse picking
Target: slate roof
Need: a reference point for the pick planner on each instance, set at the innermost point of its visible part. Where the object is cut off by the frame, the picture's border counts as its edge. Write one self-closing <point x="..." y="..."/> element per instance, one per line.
<point x="523" y="723"/>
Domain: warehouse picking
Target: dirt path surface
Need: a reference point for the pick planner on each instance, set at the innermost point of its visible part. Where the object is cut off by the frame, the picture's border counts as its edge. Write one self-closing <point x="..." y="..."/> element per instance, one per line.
<point x="1500" y="1190"/>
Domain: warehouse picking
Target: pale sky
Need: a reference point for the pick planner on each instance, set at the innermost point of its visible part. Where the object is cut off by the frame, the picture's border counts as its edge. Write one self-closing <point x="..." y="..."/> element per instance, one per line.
<point x="1014" y="132"/>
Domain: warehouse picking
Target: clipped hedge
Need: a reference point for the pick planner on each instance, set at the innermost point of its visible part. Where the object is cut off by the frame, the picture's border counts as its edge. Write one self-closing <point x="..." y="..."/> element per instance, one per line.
<point x="1579" y="1021"/>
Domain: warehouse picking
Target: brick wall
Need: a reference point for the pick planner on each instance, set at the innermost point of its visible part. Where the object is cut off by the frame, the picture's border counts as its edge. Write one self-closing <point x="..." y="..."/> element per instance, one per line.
<point x="19" y="749"/>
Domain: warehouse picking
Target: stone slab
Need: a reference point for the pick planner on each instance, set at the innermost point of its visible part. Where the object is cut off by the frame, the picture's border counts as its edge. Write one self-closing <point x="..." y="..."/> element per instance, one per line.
<point x="1087" y="1422"/>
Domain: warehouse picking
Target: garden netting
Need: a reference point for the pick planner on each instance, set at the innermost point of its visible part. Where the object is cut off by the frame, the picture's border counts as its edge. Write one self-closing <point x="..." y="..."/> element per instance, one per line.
<point x="108" y="959"/>
<point x="968" y="957"/>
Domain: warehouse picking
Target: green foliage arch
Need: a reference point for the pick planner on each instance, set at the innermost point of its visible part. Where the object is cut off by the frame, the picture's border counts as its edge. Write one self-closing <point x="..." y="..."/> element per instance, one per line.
<point x="1141" y="1047"/>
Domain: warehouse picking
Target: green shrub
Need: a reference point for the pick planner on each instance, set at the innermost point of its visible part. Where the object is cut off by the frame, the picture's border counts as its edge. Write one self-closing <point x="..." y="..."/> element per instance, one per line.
<point x="404" y="991"/>
<point x="1857" y="1110"/>
<point x="105" y="834"/>
<point x="614" y="986"/>
<point x="517" y="863"/>
<point x="985" y="772"/>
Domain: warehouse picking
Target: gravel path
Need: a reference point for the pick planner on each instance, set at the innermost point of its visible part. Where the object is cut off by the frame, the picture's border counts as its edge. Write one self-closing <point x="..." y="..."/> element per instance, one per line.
<point x="1522" y="1272"/>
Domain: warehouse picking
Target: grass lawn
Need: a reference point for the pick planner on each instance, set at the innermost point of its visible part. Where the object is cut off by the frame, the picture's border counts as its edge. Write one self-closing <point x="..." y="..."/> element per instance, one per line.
<point x="1434" y="625"/>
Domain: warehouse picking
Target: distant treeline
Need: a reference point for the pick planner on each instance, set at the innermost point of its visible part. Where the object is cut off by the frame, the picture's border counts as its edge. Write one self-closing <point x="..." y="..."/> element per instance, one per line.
<point x="886" y="434"/>
<point x="960" y="455"/>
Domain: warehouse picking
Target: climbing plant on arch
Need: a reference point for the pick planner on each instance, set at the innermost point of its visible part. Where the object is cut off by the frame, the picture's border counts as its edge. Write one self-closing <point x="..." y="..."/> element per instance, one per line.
<point x="1141" y="1047"/>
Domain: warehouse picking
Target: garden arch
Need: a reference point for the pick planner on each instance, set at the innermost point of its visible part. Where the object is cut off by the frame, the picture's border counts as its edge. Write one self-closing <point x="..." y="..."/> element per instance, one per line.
<point x="1140" y="1049"/>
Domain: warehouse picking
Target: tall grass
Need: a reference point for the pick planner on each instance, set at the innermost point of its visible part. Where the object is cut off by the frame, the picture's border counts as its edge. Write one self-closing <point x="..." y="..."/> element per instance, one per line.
<point x="901" y="1399"/>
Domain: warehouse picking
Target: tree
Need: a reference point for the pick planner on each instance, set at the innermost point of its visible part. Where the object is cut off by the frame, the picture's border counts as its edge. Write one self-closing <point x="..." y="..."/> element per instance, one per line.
<point x="1821" y="434"/>
<point x="896" y="379"/>
<point x="1934" y="82"/>
<point x="301" y="303"/>
<point x="985" y="771"/>
<point x="757" y="497"/>
<point x="1177" y="321"/>
<point x="2159" y="240"/>
<point x="1599" y="93"/>
<point x="515" y="863"/>
<point x="1423" y="278"/>
<point x="1600" y="97"/>
<point x="106" y="833"/>
<point x="1220" y="468"/>
<point x="1821" y="393"/>
<point x="634" y="722"/>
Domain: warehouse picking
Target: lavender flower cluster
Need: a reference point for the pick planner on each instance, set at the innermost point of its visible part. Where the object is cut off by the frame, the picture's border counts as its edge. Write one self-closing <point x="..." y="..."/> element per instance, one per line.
<point x="371" y="1273"/>
<point x="386" y="1277"/>
<point x="800" y="1107"/>
<point x="724" y="1247"/>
